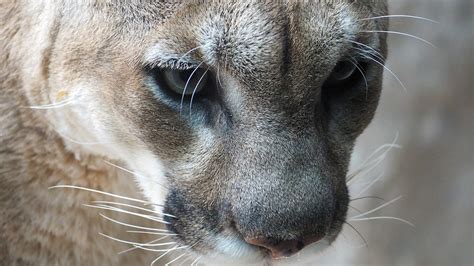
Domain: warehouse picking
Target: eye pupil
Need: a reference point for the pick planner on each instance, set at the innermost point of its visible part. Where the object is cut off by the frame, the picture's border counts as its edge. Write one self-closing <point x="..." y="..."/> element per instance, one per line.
<point x="184" y="82"/>
<point x="346" y="75"/>
<point x="184" y="75"/>
<point x="343" y="70"/>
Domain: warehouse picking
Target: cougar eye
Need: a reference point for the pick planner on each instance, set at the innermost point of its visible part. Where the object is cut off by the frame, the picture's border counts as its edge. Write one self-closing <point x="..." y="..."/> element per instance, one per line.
<point x="346" y="74"/>
<point x="184" y="83"/>
<point x="345" y="78"/>
<point x="342" y="71"/>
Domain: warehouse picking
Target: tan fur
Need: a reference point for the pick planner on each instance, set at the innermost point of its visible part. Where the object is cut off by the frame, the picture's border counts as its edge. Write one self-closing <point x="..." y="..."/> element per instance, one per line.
<point x="40" y="226"/>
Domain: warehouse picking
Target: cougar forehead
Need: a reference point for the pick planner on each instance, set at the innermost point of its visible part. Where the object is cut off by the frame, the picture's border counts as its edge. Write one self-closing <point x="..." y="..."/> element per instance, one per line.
<point x="271" y="146"/>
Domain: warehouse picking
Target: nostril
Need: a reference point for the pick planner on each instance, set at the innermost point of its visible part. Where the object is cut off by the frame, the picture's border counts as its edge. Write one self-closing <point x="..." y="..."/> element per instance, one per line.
<point x="280" y="248"/>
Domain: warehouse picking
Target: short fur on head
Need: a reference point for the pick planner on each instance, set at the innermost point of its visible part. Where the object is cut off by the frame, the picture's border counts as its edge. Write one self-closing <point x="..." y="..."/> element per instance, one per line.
<point x="265" y="156"/>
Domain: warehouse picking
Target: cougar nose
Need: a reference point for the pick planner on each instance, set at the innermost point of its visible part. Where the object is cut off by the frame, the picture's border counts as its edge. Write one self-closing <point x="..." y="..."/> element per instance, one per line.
<point x="282" y="248"/>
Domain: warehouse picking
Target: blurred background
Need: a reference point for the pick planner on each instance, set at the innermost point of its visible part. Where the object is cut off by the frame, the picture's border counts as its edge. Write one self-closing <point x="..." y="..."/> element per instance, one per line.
<point x="434" y="169"/>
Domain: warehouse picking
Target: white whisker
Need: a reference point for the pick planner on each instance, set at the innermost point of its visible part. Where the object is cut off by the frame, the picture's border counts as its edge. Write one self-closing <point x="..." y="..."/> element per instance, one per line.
<point x="187" y="259"/>
<point x="388" y="146"/>
<point x="354" y="62"/>
<point x="52" y="105"/>
<point x="133" y="226"/>
<point x="369" y="197"/>
<point x="162" y="255"/>
<point x="401" y="33"/>
<point x="188" y="52"/>
<point x="370" y="50"/>
<point x="365" y="169"/>
<point x="196" y="261"/>
<point x="137" y="175"/>
<point x="384" y="218"/>
<point x="123" y="169"/>
<point x="101" y="202"/>
<point x="186" y="86"/>
<point x="370" y="185"/>
<point x="218" y="76"/>
<point x="133" y="207"/>
<point x="179" y="257"/>
<point x="100" y="192"/>
<point x="401" y="16"/>
<point x="105" y="207"/>
<point x="368" y="165"/>
<point x="150" y="233"/>
<point x="366" y="244"/>
<point x="194" y="91"/>
<point x="389" y="70"/>
<point x="138" y="244"/>
<point x="151" y="242"/>
<point x="366" y="53"/>
<point x="375" y="209"/>
<point x="162" y="250"/>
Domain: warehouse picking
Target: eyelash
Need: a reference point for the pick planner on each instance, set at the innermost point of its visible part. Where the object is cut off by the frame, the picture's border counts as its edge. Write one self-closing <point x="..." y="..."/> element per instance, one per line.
<point x="173" y="64"/>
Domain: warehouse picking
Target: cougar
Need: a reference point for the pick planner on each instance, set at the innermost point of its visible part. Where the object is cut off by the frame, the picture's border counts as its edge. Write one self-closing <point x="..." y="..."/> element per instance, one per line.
<point x="215" y="131"/>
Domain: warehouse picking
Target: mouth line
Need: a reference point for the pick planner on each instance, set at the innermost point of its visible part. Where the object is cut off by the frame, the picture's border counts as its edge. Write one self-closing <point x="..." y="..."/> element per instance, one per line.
<point x="224" y="247"/>
<point x="235" y="248"/>
<point x="229" y="243"/>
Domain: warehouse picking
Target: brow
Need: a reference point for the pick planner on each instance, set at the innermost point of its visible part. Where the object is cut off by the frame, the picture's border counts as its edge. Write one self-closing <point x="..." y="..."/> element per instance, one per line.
<point x="161" y="55"/>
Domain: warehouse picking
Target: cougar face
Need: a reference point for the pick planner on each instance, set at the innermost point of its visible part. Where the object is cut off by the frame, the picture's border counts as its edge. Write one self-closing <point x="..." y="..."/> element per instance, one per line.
<point x="238" y="117"/>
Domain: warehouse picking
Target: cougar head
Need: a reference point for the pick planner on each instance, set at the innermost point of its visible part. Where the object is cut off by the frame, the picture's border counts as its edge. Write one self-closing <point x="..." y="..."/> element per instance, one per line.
<point x="237" y="117"/>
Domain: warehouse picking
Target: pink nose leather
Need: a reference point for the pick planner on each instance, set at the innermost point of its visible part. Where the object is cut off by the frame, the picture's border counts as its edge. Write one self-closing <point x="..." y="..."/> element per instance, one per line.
<point x="282" y="249"/>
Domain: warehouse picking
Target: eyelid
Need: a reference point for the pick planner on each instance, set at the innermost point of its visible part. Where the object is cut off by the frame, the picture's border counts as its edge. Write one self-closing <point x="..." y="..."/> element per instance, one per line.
<point x="176" y="64"/>
<point x="163" y="55"/>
